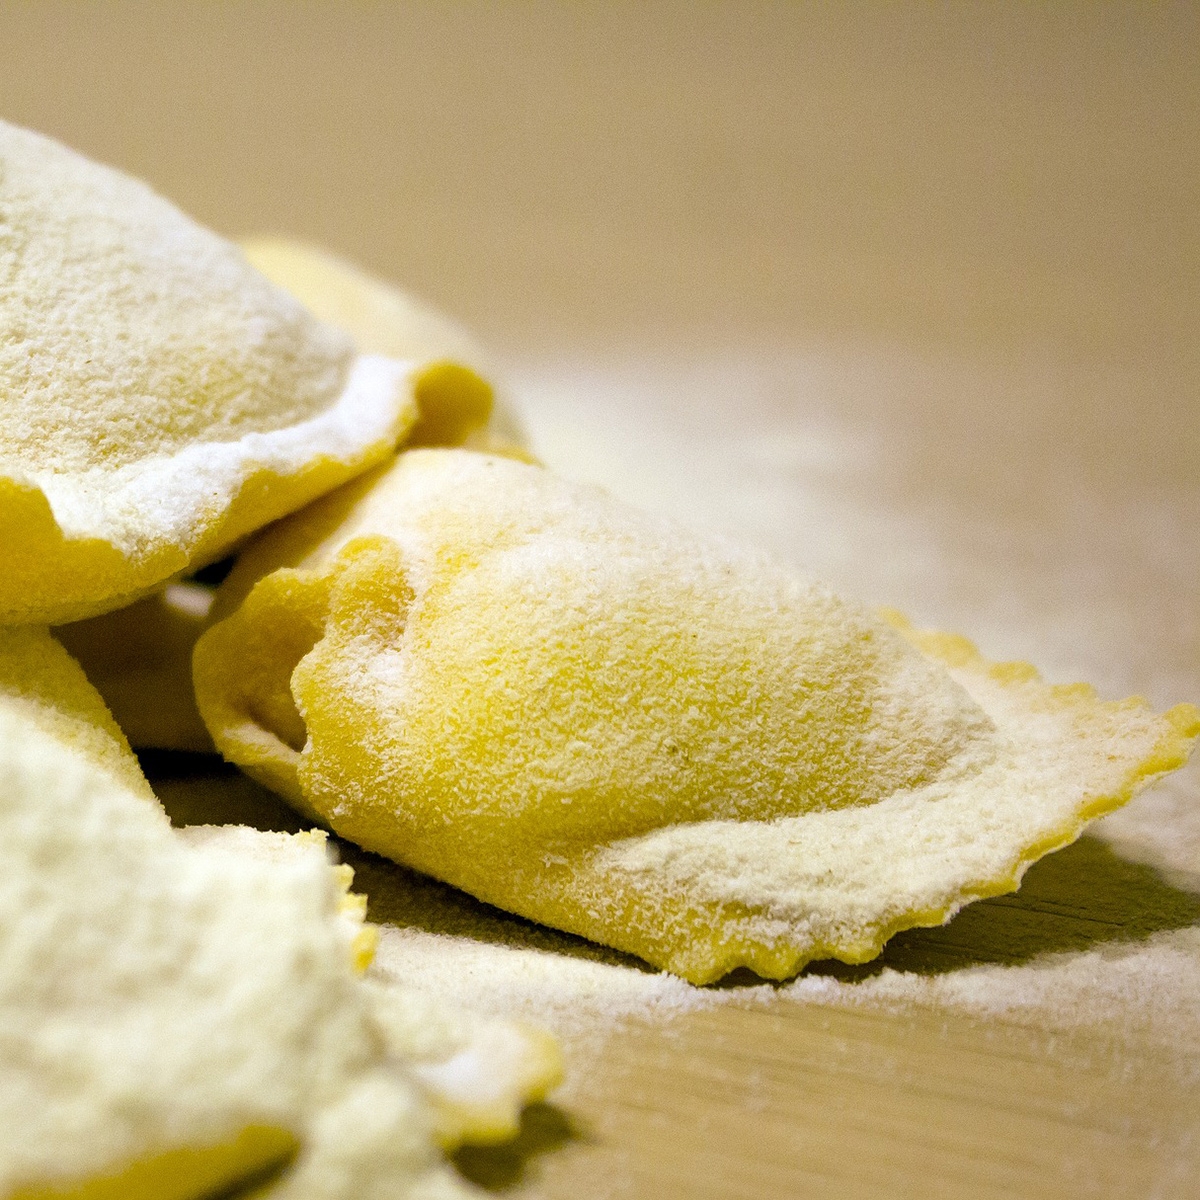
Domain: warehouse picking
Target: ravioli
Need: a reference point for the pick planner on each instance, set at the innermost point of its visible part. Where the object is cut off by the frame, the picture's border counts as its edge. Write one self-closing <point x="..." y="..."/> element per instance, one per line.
<point x="181" y="1011"/>
<point x="383" y="319"/>
<point x="662" y="742"/>
<point x="159" y="398"/>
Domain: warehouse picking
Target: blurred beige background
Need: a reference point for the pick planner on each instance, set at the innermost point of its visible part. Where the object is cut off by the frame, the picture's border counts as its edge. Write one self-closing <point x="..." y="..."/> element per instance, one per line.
<point x="909" y="293"/>
<point x="1016" y="183"/>
<point x="972" y="174"/>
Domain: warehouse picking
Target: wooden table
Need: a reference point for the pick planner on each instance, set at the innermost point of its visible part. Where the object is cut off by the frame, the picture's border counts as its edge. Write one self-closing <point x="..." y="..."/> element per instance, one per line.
<point x="907" y="294"/>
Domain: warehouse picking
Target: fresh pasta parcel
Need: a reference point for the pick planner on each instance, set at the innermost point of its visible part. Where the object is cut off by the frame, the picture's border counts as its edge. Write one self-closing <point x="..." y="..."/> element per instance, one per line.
<point x="658" y="740"/>
<point x="160" y="398"/>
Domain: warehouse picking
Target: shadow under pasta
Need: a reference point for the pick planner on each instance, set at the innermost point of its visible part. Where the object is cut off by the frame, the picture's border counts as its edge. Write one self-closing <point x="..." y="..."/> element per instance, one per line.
<point x="1084" y="896"/>
<point x="401" y="897"/>
<point x="544" y="1129"/>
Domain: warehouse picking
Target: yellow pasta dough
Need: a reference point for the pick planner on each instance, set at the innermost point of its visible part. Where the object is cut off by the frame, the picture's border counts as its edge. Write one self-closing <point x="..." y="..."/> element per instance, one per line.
<point x="159" y="398"/>
<point x="180" y="1010"/>
<point x="659" y="741"/>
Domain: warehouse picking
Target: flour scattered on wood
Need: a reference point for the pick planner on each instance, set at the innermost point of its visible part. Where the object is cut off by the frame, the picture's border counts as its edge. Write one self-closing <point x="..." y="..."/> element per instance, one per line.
<point x="574" y="997"/>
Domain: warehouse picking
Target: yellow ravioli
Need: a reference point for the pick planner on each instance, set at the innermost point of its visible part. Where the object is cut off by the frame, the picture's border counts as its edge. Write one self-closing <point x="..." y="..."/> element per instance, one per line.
<point x="159" y="398"/>
<point x="382" y="319"/>
<point x="661" y="742"/>
<point x="184" y="1009"/>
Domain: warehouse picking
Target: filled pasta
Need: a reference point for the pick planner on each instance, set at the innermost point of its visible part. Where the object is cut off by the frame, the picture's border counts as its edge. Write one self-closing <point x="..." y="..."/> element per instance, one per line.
<point x="660" y="741"/>
<point x="161" y="398"/>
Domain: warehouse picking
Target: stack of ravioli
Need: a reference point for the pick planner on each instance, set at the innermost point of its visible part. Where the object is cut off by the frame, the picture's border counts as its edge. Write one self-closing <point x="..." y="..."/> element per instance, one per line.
<point x="438" y="650"/>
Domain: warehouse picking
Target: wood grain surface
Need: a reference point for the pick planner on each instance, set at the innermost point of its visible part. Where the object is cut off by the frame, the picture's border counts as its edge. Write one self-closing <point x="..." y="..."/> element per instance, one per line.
<point x="908" y="294"/>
